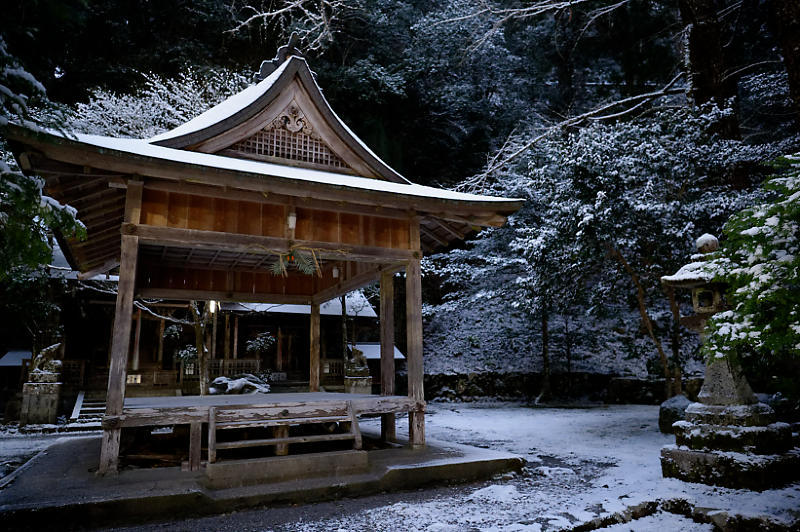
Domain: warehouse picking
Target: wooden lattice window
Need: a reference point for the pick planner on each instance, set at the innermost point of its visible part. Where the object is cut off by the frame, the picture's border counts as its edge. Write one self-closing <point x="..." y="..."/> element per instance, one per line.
<point x="289" y="137"/>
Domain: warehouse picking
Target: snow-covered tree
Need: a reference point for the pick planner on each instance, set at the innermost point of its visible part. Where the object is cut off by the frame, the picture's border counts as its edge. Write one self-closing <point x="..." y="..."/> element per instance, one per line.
<point x="760" y="262"/>
<point x="27" y="217"/>
<point x="163" y="103"/>
<point x="611" y="208"/>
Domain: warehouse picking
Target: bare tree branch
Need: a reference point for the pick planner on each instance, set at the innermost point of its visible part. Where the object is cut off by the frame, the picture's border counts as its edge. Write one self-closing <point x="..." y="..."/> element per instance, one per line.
<point x="478" y="181"/>
<point x="314" y="21"/>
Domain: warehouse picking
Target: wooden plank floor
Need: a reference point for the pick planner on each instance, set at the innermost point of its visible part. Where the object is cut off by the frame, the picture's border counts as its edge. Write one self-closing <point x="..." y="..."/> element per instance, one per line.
<point x="250" y="399"/>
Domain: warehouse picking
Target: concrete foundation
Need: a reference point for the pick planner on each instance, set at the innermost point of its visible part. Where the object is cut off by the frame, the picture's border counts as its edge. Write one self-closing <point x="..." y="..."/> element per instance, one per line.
<point x="237" y="473"/>
<point x="137" y="496"/>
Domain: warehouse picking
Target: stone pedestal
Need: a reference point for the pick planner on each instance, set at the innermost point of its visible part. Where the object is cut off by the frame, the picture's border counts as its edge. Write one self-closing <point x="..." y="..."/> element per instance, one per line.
<point x="39" y="402"/>
<point x="358" y="385"/>
<point x="729" y="438"/>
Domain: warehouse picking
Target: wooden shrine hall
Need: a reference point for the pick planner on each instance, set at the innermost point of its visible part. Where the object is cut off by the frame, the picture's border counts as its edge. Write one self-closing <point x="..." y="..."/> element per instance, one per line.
<point x="267" y="197"/>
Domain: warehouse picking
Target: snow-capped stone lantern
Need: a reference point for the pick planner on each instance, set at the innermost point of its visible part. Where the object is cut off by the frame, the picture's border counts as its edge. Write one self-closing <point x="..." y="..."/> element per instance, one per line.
<point x="708" y="297"/>
<point x="728" y="438"/>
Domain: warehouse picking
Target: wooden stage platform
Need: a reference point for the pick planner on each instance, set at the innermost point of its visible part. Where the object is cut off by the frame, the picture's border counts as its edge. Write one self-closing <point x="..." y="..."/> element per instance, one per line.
<point x="279" y="410"/>
<point x="174" y="410"/>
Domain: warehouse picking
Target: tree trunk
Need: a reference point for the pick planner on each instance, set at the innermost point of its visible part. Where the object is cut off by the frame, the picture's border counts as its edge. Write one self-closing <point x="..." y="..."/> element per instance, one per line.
<point x="785" y="23"/>
<point x="344" y="328"/>
<point x="705" y="61"/>
<point x="544" y="394"/>
<point x="648" y="323"/>
<point x="200" y="320"/>
<point x="568" y="351"/>
<point x="675" y="341"/>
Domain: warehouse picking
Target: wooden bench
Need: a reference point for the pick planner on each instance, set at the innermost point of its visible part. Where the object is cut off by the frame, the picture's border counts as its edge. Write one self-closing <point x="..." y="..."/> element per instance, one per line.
<point x="280" y="419"/>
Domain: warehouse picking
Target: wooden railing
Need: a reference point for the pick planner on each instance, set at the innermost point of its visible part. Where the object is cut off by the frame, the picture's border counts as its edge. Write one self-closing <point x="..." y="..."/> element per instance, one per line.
<point x="233" y="366"/>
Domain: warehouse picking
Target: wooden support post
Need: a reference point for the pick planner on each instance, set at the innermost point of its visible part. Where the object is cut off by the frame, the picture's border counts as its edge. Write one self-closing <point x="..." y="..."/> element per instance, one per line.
<point x="195" y="445"/>
<point x="111" y="340"/>
<point x="388" y="432"/>
<point x="129" y="250"/>
<point x="137" y="337"/>
<point x="236" y="337"/>
<point x="313" y="373"/>
<point x="212" y="434"/>
<point x="214" y="333"/>
<point x="416" y="420"/>
<point x="281" y="431"/>
<point x="227" y="352"/>
<point x="279" y="351"/>
<point x="161" y="327"/>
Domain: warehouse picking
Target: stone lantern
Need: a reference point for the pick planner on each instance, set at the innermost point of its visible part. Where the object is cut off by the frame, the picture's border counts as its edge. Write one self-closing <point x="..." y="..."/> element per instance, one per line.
<point x="729" y="438"/>
<point x="708" y="297"/>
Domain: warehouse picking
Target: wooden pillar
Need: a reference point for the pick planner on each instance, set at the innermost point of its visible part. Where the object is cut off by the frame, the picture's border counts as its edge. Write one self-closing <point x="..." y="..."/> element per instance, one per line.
<point x="313" y="362"/>
<point x="279" y="352"/>
<point x="227" y="335"/>
<point x="236" y="336"/>
<point x="416" y="420"/>
<point x="137" y="337"/>
<point x="388" y="432"/>
<point x="195" y="442"/>
<point x="161" y="327"/>
<point x="111" y="340"/>
<point x="129" y="249"/>
<point x="214" y="332"/>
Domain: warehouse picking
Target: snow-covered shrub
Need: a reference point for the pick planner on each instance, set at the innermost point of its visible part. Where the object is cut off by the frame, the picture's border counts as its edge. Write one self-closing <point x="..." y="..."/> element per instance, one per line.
<point x="187" y="353"/>
<point x="261" y="344"/>
<point x="760" y="262"/>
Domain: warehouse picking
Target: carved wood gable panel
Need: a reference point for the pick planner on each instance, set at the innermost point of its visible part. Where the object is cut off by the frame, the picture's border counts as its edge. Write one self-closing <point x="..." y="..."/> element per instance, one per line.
<point x="289" y="137"/>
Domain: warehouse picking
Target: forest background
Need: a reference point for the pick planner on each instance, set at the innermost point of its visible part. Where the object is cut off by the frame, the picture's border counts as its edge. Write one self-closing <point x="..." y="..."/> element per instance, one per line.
<point x="631" y="128"/>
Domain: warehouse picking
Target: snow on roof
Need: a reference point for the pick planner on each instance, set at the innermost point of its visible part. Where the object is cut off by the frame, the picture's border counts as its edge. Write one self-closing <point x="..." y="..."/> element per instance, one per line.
<point x="694" y="272"/>
<point x="60" y="268"/>
<point x="372" y="351"/>
<point x="143" y="148"/>
<point x="357" y="305"/>
<point x="237" y="102"/>
<point x="14" y="358"/>
<point x="224" y="109"/>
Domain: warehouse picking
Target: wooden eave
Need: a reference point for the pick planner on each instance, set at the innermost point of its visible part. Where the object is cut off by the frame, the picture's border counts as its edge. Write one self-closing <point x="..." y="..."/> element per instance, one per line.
<point x="466" y="214"/>
<point x="296" y="69"/>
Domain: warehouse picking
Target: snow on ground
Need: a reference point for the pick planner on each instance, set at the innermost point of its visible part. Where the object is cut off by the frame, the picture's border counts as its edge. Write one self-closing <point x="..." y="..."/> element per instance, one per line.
<point x="17" y="448"/>
<point x="582" y="463"/>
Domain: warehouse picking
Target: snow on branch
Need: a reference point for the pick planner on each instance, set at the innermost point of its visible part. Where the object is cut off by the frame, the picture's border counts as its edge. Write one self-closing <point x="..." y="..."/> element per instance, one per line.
<point x="604" y="112"/>
<point x="314" y="21"/>
<point x="504" y="15"/>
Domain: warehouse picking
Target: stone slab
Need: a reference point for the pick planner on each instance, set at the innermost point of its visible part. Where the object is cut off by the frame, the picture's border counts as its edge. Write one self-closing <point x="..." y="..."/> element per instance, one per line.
<point x="769" y="439"/>
<point x="731" y="470"/>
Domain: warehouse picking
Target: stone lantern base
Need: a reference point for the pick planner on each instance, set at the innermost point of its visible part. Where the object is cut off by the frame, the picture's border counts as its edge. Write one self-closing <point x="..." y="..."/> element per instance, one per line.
<point x="39" y="402"/>
<point x="734" y="443"/>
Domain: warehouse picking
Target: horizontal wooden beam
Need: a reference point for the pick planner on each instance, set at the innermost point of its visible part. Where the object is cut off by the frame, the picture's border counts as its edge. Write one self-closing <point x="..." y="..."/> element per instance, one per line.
<point x="433" y="236"/>
<point x="103" y="268"/>
<point x="355" y="282"/>
<point x="220" y="295"/>
<point x="221" y="192"/>
<point x="259" y="245"/>
<point x="164" y="415"/>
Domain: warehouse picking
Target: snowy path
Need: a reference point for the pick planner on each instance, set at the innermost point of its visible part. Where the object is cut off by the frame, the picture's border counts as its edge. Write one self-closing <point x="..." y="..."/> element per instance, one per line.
<point x="16" y="449"/>
<point x="582" y="463"/>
